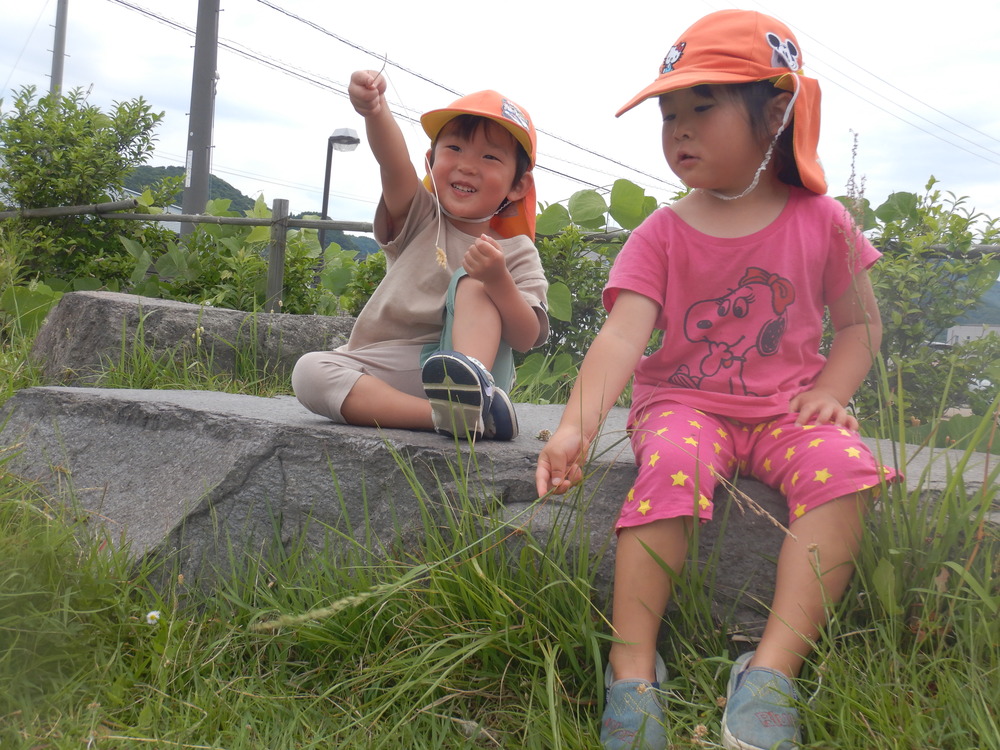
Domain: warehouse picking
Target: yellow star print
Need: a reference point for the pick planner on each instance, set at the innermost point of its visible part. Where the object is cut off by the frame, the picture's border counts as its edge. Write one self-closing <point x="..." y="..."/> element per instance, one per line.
<point x="799" y="511"/>
<point x="694" y="423"/>
<point x="822" y="476"/>
<point x="631" y="495"/>
<point x="795" y="478"/>
<point x="691" y="441"/>
<point x="666" y="413"/>
<point x="776" y="431"/>
<point x="644" y="506"/>
<point x="767" y="464"/>
<point x="816" y="443"/>
<point x="852" y="452"/>
<point x="704" y="502"/>
<point x="654" y="458"/>
<point x="722" y="433"/>
<point x="789" y="453"/>
<point x="718" y="448"/>
<point x="679" y="478"/>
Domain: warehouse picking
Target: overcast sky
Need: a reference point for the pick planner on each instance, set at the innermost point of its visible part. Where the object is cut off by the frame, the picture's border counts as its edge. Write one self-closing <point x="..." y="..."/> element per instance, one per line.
<point x="918" y="88"/>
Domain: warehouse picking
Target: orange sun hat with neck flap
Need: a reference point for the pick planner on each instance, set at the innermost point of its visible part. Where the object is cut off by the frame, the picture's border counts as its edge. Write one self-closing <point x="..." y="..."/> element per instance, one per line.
<point x="517" y="217"/>
<point x="741" y="46"/>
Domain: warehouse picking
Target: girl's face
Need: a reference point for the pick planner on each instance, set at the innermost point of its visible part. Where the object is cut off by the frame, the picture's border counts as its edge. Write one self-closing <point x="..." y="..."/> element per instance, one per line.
<point x="708" y="141"/>
<point x="473" y="175"/>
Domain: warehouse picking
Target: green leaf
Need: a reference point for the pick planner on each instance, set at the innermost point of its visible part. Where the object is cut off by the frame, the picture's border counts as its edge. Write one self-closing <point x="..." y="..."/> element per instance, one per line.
<point x="587" y="208"/>
<point x="884" y="580"/>
<point x="259" y="234"/>
<point x="897" y="207"/>
<point x="628" y="204"/>
<point x="28" y="305"/>
<point x="560" y="300"/>
<point x="552" y="220"/>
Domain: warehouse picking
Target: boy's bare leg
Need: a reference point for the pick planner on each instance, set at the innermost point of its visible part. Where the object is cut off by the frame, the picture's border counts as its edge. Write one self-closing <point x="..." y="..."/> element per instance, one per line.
<point x="375" y="403"/>
<point x="476" y="329"/>
<point x="814" y="569"/>
<point x="641" y="592"/>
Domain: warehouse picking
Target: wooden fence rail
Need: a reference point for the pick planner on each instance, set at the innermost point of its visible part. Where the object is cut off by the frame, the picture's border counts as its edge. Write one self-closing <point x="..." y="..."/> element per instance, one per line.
<point x="280" y="223"/>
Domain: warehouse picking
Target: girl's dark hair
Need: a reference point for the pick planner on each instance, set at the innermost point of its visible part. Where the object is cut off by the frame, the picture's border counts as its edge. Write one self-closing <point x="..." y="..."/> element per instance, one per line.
<point x="755" y="95"/>
<point x="466" y="126"/>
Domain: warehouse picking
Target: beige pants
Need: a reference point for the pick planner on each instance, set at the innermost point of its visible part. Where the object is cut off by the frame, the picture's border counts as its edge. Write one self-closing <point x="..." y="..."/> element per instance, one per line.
<point x="322" y="380"/>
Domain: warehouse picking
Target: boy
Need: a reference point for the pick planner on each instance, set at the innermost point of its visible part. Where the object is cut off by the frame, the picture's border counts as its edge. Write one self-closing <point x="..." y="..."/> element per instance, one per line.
<point x="463" y="284"/>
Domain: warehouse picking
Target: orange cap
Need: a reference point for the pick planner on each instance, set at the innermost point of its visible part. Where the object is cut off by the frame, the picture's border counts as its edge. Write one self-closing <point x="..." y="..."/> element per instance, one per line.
<point x="517" y="217"/>
<point x="739" y="46"/>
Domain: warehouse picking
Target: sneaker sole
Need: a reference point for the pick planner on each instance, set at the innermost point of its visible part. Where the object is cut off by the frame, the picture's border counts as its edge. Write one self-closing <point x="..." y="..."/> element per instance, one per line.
<point x="453" y="388"/>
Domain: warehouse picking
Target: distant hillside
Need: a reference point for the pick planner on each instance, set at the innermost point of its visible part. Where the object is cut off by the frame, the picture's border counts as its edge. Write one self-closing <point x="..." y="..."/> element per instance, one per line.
<point x="987" y="311"/>
<point x="142" y="177"/>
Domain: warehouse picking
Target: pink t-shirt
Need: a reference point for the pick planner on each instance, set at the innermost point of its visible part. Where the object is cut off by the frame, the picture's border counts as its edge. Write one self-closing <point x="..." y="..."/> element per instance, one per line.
<point x="742" y="317"/>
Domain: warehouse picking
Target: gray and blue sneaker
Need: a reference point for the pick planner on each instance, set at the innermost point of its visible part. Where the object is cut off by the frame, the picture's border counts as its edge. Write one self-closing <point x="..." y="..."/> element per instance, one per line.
<point x="634" y="718"/>
<point x="760" y="709"/>
<point x="500" y="420"/>
<point x="461" y="392"/>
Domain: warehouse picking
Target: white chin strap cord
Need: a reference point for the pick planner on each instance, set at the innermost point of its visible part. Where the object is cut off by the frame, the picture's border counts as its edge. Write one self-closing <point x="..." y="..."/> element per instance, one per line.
<point x="767" y="156"/>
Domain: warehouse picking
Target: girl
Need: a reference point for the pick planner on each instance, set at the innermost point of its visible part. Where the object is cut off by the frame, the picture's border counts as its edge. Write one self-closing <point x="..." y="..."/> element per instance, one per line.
<point x="737" y="274"/>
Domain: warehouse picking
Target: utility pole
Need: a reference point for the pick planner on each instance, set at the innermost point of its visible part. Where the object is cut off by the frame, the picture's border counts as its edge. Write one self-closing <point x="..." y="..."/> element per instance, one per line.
<point x="59" y="47"/>
<point x="202" y="114"/>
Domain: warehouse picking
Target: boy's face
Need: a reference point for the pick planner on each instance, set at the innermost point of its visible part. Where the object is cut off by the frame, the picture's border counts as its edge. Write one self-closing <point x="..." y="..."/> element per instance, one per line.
<point x="474" y="174"/>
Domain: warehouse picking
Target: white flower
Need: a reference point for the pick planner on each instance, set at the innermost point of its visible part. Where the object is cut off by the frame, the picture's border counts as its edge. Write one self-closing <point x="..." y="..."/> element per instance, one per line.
<point x="153" y="617"/>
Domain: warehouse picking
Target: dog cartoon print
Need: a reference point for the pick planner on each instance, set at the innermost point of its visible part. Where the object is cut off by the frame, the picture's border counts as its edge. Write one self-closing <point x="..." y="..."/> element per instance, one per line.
<point x="746" y="322"/>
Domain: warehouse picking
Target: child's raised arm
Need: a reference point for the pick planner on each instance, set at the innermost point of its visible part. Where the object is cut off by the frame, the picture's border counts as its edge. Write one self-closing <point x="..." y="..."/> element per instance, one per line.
<point x="606" y="370"/>
<point x="399" y="178"/>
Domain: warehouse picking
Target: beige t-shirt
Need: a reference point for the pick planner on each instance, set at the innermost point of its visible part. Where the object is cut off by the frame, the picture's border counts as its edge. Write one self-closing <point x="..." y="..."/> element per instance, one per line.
<point x="408" y="305"/>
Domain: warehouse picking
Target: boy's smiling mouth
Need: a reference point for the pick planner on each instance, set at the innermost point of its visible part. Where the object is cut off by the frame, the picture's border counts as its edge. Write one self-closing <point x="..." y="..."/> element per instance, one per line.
<point x="463" y="188"/>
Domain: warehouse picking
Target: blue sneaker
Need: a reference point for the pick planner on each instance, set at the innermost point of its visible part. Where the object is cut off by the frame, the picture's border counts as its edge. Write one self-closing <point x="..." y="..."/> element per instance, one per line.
<point x="460" y="390"/>
<point x="633" y="712"/>
<point x="760" y="709"/>
<point x="500" y="420"/>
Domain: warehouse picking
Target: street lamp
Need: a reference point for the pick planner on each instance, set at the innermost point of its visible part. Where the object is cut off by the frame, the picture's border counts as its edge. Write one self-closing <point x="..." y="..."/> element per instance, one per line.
<point x="343" y="139"/>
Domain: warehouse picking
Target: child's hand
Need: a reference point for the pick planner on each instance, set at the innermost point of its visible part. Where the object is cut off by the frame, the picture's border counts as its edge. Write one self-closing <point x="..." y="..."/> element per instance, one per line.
<point x="820" y="407"/>
<point x="367" y="92"/>
<point x="484" y="260"/>
<point x="559" y="463"/>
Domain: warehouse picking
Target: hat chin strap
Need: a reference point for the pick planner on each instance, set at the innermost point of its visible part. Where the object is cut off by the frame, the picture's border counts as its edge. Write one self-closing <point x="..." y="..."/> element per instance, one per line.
<point x="767" y="156"/>
<point x="456" y="217"/>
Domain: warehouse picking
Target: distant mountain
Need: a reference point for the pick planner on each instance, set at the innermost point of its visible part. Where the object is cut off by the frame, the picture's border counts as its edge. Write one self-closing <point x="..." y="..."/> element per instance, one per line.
<point x="987" y="311"/>
<point x="142" y="177"/>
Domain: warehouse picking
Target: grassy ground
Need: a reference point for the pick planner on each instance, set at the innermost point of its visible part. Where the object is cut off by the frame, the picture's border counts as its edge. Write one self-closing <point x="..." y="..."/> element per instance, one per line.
<point x="481" y="637"/>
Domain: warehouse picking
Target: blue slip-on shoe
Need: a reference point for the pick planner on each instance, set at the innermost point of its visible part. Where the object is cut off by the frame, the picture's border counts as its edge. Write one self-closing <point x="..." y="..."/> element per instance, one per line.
<point x="633" y="712"/>
<point x="460" y="390"/>
<point x="760" y="709"/>
<point x="501" y="420"/>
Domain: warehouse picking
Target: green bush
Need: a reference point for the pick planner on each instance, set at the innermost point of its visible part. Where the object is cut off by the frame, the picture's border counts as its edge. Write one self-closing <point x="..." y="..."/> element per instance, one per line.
<point x="60" y="151"/>
<point x="930" y="275"/>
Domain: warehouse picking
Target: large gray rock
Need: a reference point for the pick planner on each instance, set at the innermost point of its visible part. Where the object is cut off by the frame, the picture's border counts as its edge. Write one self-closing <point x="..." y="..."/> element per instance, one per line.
<point x="87" y="331"/>
<point x="192" y="476"/>
<point x="195" y="476"/>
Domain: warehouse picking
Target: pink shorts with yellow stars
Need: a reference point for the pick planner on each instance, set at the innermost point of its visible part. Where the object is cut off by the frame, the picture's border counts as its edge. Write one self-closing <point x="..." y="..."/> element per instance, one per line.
<point x="683" y="453"/>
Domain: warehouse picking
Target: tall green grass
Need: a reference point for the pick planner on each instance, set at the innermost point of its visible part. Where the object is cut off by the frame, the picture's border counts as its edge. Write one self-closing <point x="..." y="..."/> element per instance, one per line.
<point x="469" y="631"/>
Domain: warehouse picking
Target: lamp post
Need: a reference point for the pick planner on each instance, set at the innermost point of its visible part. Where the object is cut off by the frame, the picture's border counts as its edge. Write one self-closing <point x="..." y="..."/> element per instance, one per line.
<point x="343" y="139"/>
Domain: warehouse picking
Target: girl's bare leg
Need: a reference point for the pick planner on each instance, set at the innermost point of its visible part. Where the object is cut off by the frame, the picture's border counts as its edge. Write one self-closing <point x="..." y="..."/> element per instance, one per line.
<point x="641" y="591"/>
<point x="814" y="569"/>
